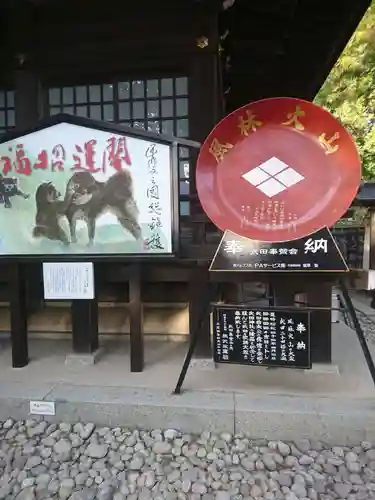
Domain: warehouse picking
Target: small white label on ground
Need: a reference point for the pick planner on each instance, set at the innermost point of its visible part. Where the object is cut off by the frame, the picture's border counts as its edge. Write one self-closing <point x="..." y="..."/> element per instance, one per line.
<point x="68" y="280"/>
<point x="42" y="408"/>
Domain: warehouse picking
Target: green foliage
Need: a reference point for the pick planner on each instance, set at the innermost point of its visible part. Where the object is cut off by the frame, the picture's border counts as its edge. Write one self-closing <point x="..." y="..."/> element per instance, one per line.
<point x="349" y="91"/>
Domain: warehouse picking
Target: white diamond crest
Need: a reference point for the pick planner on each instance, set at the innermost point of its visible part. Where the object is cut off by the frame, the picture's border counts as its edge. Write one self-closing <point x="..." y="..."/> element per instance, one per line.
<point x="273" y="177"/>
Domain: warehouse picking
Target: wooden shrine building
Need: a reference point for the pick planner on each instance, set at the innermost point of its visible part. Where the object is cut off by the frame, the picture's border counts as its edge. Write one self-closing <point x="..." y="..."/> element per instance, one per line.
<point x="166" y="66"/>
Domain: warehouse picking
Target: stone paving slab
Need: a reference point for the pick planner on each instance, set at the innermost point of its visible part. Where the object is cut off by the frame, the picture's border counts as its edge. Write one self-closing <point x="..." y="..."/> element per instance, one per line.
<point x="260" y="416"/>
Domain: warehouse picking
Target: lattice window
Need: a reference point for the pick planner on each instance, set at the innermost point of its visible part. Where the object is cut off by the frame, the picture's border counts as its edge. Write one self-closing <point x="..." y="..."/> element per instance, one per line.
<point x="159" y="105"/>
<point x="7" y="112"/>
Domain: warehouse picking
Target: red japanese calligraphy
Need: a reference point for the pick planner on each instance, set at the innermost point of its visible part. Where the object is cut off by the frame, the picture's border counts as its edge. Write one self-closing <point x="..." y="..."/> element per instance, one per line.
<point x="22" y="163"/>
<point x="89" y="152"/>
<point x="118" y="152"/>
<point x="7" y="163"/>
<point x="42" y="161"/>
<point x="58" y="153"/>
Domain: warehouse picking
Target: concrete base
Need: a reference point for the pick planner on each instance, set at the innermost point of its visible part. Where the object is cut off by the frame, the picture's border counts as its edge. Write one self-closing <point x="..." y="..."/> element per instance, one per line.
<point x="270" y="417"/>
<point x="334" y="404"/>
<point x="316" y="369"/>
<point x="75" y="359"/>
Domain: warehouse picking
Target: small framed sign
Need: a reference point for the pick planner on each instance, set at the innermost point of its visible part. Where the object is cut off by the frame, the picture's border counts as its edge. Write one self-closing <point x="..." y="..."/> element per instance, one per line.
<point x="261" y="337"/>
<point x="68" y="280"/>
<point x="42" y="408"/>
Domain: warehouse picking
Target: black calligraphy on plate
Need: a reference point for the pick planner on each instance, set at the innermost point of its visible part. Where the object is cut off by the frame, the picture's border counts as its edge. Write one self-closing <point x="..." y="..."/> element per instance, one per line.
<point x="153" y="242"/>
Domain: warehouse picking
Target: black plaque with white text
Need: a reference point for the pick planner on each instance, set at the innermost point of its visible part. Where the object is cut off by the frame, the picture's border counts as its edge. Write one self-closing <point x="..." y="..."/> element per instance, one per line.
<point x="261" y="337"/>
<point x="317" y="252"/>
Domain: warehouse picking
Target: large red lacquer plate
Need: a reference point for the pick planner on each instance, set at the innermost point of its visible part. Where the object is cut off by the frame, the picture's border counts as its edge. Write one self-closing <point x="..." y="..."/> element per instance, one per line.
<point x="277" y="169"/>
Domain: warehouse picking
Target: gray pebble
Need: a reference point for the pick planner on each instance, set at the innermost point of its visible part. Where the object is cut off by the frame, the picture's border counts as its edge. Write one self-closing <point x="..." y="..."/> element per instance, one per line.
<point x="305" y="460"/>
<point x="283" y="448"/>
<point x="351" y="457"/>
<point x="162" y="448"/>
<point x="137" y="463"/>
<point x="95" y="450"/>
<point x="8" y="423"/>
<point x="54" y="486"/>
<point x="63" y="449"/>
<point x="39" y="429"/>
<point x="186" y="485"/>
<point x="33" y="462"/>
<point x="26" y="494"/>
<point x="222" y="495"/>
<point x="86" y="431"/>
<point x="299" y="490"/>
<point x="85" y="494"/>
<point x="43" y="478"/>
<point x="199" y="488"/>
<point x="256" y="491"/>
<point x="342" y="489"/>
<point x="355" y="479"/>
<point x="354" y="467"/>
<point x="170" y="434"/>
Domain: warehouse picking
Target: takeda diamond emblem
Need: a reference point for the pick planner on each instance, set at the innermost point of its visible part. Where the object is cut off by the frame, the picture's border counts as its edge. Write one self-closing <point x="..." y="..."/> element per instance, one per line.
<point x="273" y="177"/>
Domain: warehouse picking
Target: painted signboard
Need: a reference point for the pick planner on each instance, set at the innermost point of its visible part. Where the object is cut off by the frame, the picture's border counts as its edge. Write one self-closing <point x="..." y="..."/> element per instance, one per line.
<point x="69" y="189"/>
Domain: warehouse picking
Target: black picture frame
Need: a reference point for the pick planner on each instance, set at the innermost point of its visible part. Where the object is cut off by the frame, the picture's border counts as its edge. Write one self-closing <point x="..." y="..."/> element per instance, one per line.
<point x="171" y="141"/>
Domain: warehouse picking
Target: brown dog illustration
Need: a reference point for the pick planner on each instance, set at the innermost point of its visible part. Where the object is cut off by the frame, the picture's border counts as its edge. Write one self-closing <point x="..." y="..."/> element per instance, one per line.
<point x="49" y="210"/>
<point x="91" y="198"/>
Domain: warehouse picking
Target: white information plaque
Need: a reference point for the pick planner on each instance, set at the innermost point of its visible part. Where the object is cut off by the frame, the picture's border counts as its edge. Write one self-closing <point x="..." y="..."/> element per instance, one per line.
<point x="68" y="280"/>
<point x="42" y="408"/>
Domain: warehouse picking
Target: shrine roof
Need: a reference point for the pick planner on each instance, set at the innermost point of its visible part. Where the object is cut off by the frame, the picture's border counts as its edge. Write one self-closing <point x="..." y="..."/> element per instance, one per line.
<point x="366" y="194"/>
<point x="284" y="47"/>
<point x="269" y="48"/>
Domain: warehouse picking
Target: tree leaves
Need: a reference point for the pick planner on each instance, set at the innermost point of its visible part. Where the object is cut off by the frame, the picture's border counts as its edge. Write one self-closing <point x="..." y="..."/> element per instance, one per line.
<point x="349" y="91"/>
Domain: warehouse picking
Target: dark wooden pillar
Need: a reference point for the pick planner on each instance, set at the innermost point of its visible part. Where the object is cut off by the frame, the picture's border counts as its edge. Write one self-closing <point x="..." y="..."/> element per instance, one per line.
<point x="25" y="289"/>
<point x="372" y="251"/>
<point x="319" y="294"/>
<point x="34" y="287"/>
<point x="85" y="326"/>
<point x="204" y="112"/>
<point x="283" y="290"/>
<point x="18" y="316"/>
<point x="204" y="106"/>
<point x="136" y="319"/>
<point x="200" y="296"/>
<point x="27" y="98"/>
<point x="85" y="331"/>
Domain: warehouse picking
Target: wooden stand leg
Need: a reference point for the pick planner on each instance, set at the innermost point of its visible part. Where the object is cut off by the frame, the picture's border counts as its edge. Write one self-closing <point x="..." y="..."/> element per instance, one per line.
<point x="136" y="320"/>
<point x="85" y="326"/>
<point x="18" y="317"/>
<point x="200" y="294"/>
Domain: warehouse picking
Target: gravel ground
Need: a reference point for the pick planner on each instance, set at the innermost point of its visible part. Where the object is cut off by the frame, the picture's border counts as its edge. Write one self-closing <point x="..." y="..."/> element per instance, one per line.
<point x="368" y="326"/>
<point x="81" y="462"/>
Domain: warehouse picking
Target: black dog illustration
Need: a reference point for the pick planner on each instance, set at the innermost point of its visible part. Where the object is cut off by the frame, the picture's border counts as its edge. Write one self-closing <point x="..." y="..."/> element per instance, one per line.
<point x="91" y="198"/>
<point x="9" y="187"/>
<point x="49" y="210"/>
